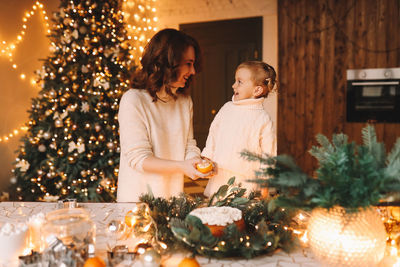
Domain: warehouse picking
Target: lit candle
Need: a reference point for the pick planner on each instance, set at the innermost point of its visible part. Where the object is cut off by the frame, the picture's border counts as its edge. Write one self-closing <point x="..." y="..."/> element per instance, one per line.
<point x="35" y="223"/>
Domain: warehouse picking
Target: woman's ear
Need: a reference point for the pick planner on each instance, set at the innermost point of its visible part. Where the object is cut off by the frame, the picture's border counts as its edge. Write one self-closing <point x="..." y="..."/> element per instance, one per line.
<point x="258" y="91"/>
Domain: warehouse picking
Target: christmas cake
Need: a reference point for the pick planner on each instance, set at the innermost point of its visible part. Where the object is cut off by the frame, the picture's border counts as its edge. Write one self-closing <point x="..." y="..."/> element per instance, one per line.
<point x="217" y="218"/>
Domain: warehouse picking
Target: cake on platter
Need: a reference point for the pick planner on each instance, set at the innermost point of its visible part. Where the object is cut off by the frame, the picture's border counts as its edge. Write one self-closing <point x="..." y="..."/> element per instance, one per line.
<point x="217" y="218"/>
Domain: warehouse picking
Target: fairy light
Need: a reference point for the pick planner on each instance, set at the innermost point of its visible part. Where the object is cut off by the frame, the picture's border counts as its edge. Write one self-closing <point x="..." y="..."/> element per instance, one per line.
<point x="13" y="133"/>
<point x="139" y="15"/>
<point x="7" y="49"/>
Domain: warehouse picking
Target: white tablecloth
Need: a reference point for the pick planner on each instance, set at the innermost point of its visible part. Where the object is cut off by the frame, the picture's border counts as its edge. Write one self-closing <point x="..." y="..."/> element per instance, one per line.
<point x="103" y="213"/>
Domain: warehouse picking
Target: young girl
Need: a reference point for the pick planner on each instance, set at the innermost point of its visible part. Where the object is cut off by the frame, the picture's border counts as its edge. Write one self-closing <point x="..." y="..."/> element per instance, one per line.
<point x="242" y="124"/>
<point x="155" y="120"/>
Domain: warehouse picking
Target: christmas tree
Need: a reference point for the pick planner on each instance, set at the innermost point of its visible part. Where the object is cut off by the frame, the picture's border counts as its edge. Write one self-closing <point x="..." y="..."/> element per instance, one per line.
<point x="71" y="149"/>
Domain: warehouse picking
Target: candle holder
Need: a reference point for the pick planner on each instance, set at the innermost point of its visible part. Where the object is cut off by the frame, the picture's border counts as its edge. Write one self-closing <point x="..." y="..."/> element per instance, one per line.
<point x="34" y="259"/>
<point x="68" y="203"/>
<point x="120" y="254"/>
<point x="73" y="227"/>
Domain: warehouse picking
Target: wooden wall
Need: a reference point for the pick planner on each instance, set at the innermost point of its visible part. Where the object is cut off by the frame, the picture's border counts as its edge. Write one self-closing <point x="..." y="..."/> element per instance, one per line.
<point x="318" y="41"/>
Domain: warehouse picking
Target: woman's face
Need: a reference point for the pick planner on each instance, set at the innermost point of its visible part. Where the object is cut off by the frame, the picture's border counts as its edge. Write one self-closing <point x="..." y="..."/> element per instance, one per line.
<point x="185" y="68"/>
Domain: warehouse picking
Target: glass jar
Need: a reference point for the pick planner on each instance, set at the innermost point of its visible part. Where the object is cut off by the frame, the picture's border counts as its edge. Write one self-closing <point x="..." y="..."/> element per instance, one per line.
<point x="72" y="226"/>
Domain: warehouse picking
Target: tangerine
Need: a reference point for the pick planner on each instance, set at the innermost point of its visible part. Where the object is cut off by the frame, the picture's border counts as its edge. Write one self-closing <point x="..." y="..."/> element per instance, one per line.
<point x="189" y="262"/>
<point x="204" y="166"/>
<point x="94" y="262"/>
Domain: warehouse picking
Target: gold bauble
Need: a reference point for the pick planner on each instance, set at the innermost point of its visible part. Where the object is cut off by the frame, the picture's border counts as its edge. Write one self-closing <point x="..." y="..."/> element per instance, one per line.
<point x="110" y="145"/>
<point x="71" y="159"/>
<point x="58" y="123"/>
<point x="75" y="87"/>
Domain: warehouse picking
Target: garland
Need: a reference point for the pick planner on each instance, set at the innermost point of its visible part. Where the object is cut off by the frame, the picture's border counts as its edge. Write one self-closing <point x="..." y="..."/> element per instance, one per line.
<point x="166" y="224"/>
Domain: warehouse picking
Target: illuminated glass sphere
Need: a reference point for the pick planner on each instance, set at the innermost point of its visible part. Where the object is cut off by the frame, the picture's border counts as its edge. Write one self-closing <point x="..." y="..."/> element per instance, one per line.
<point x="338" y="238"/>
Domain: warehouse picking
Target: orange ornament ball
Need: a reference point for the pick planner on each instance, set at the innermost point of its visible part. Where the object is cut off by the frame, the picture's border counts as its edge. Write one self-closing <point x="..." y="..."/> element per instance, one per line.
<point x="94" y="262"/>
<point x="189" y="262"/>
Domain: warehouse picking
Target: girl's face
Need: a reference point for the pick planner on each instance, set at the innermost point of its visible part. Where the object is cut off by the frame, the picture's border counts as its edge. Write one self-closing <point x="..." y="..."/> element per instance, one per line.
<point x="185" y="69"/>
<point x="244" y="87"/>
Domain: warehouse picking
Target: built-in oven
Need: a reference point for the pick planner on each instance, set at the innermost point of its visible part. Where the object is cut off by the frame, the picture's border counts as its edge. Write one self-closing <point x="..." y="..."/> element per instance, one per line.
<point x="373" y="95"/>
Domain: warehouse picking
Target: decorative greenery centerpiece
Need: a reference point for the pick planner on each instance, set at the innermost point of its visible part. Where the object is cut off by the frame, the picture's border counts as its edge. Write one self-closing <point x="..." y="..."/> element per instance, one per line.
<point x="349" y="175"/>
<point x="167" y="223"/>
<point x="349" y="180"/>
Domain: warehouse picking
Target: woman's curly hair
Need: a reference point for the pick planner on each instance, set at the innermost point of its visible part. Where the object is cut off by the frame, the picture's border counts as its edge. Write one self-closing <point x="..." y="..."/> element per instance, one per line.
<point x="160" y="62"/>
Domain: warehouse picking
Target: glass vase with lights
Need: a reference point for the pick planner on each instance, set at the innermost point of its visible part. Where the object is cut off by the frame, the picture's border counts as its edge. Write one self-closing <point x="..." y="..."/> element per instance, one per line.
<point x="344" y="228"/>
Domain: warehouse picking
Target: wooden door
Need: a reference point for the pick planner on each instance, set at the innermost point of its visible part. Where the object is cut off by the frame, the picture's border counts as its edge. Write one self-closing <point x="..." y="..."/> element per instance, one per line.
<point x="224" y="45"/>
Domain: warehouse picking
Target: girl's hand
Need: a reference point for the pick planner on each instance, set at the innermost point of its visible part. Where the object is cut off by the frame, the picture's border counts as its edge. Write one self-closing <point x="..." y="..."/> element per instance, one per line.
<point x="206" y="164"/>
<point x="188" y="167"/>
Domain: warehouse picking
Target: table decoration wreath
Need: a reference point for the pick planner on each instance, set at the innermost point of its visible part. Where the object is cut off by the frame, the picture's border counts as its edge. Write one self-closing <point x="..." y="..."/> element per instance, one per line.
<point x="168" y="224"/>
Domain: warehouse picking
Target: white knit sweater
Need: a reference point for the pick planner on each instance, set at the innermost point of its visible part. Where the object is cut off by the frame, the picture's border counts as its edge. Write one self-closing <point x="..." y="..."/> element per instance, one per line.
<point x="162" y="129"/>
<point x="237" y="126"/>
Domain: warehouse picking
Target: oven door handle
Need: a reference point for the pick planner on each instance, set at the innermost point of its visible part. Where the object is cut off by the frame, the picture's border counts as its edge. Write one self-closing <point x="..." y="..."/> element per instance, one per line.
<point x="375" y="83"/>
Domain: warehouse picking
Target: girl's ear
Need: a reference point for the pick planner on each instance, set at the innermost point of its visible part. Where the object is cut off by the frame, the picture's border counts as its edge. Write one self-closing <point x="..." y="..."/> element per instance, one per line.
<point x="258" y="91"/>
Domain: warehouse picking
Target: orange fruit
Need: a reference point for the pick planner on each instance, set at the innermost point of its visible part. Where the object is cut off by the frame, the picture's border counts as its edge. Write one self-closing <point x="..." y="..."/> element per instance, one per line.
<point x="204" y="166"/>
<point x="94" y="262"/>
<point x="130" y="219"/>
<point x="189" y="262"/>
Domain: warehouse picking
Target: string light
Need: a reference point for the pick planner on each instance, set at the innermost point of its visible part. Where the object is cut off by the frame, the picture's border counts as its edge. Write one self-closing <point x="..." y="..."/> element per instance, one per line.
<point x="6" y="50"/>
<point x="139" y="16"/>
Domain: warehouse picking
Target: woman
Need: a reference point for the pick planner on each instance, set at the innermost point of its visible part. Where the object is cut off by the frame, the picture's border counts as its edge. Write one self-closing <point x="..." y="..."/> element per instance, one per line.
<point x="155" y="119"/>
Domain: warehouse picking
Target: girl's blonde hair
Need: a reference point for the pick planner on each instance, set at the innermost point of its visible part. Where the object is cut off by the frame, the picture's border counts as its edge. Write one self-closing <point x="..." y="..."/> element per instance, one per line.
<point x="262" y="74"/>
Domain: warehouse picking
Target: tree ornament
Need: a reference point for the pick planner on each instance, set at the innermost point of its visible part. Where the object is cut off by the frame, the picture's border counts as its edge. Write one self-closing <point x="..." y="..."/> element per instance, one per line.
<point x="58" y="123"/>
<point x="42" y="148"/>
<point x="110" y="162"/>
<point x="82" y="29"/>
<point x="71" y="159"/>
<point x="110" y="145"/>
<point x="52" y="93"/>
<point x="84" y="69"/>
<point x="60" y="152"/>
<point x="75" y="87"/>
<point x="97" y="127"/>
<point x="13" y="180"/>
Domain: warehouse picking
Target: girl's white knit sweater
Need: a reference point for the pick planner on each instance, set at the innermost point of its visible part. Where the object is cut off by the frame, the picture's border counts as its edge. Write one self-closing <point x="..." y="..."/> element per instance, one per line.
<point x="237" y="126"/>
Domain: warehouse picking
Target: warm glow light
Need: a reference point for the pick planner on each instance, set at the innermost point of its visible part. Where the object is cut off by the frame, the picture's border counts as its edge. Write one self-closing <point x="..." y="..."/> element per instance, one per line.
<point x="7" y="47"/>
<point x="347" y="239"/>
<point x="140" y="19"/>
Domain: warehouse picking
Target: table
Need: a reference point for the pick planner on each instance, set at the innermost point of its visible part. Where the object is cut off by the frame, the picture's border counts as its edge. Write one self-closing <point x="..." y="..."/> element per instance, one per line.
<point x="103" y="213"/>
